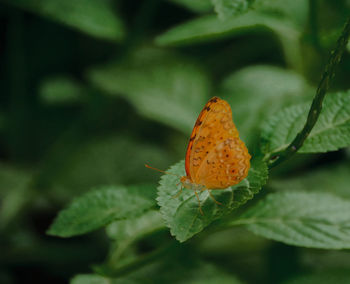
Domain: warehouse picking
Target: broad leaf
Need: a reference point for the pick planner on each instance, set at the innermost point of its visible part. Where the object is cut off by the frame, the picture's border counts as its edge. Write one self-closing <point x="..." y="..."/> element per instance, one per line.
<point x="126" y="232"/>
<point x="100" y="207"/>
<point x="296" y="11"/>
<point x="134" y="228"/>
<point x="15" y="192"/>
<point x="95" y="18"/>
<point x="281" y="128"/>
<point x="331" y="178"/>
<point x="182" y="214"/>
<point x="331" y="132"/>
<point x="209" y="27"/>
<point x="161" y="86"/>
<point x="316" y="220"/>
<point x="251" y="103"/>
<point x="60" y="90"/>
<point x="229" y="8"/>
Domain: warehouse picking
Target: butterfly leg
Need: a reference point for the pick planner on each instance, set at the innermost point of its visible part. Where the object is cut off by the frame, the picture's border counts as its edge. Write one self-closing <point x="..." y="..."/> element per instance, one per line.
<point x="179" y="193"/>
<point x="199" y="203"/>
<point x="212" y="197"/>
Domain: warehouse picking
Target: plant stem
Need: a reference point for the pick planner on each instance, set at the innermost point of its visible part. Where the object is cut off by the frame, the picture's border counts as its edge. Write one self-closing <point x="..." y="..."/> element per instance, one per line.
<point x="316" y="106"/>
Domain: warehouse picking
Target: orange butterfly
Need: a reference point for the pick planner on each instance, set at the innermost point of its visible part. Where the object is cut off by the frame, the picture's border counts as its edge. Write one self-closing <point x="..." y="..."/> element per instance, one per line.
<point x="216" y="157"/>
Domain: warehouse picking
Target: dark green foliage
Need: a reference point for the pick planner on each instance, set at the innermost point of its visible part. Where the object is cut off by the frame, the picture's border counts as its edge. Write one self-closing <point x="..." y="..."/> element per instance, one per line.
<point x="92" y="17"/>
<point x="179" y="267"/>
<point x="92" y="90"/>
<point x="147" y="75"/>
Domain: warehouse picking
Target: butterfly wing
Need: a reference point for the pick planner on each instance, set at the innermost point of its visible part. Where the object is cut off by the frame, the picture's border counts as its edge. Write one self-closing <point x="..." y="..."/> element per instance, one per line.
<point x="197" y="126"/>
<point x="225" y="165"/>
<point x="213" y="127"/>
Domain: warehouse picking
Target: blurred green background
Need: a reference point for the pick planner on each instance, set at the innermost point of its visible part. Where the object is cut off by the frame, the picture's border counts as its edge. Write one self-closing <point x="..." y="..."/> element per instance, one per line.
<point x="93" y="89"/>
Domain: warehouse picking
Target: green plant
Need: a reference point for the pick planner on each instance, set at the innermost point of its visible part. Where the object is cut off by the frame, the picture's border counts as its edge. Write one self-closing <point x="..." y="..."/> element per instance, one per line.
<point x="316" y="220"/>
<point x="96" y="89"/>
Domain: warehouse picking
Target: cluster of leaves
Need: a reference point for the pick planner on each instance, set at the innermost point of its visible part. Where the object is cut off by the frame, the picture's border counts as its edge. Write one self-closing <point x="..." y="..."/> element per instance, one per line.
<point x="304" y="219"/>
<point x="149" y="93"/>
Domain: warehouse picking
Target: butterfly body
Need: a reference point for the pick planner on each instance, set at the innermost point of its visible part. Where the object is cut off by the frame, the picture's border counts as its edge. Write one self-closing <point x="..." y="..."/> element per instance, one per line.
<point x="216" y="157"/>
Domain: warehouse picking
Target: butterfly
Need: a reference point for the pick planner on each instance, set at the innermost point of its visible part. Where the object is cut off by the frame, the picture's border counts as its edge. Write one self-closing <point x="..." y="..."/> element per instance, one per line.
<point x="216" y="158"/>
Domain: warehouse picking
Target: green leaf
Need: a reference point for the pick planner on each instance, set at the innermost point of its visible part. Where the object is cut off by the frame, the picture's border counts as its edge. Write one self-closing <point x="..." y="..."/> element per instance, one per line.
<point x="182" y="214"/>
<point x="15" y="192"/>
<point x="197" y="6"/>
<point x="332" y="178"/>
<point x="100" y="207"/>
<point x="228" y="8"/>
<point x="316" y="220"/>
<point x="158" y="85"/>
<point x="134" y="228"/>
<point x="126" y="232"/>
<point x="273" y="88"/>
<point x="210" y="28"/>
<point x="95" y="18"/>
<point x="280" y="129"/>
<point x="296" y="11"/>
<point x="60" y="90"/>
<point x="331" y="132"/>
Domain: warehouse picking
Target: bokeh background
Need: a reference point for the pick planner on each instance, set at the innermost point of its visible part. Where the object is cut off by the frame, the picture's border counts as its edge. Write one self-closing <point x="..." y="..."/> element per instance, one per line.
<point x="93" y="89"/>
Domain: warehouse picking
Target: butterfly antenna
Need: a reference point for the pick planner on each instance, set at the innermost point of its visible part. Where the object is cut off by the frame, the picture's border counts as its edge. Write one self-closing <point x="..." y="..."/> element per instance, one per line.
<point x="158" y="170"/>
